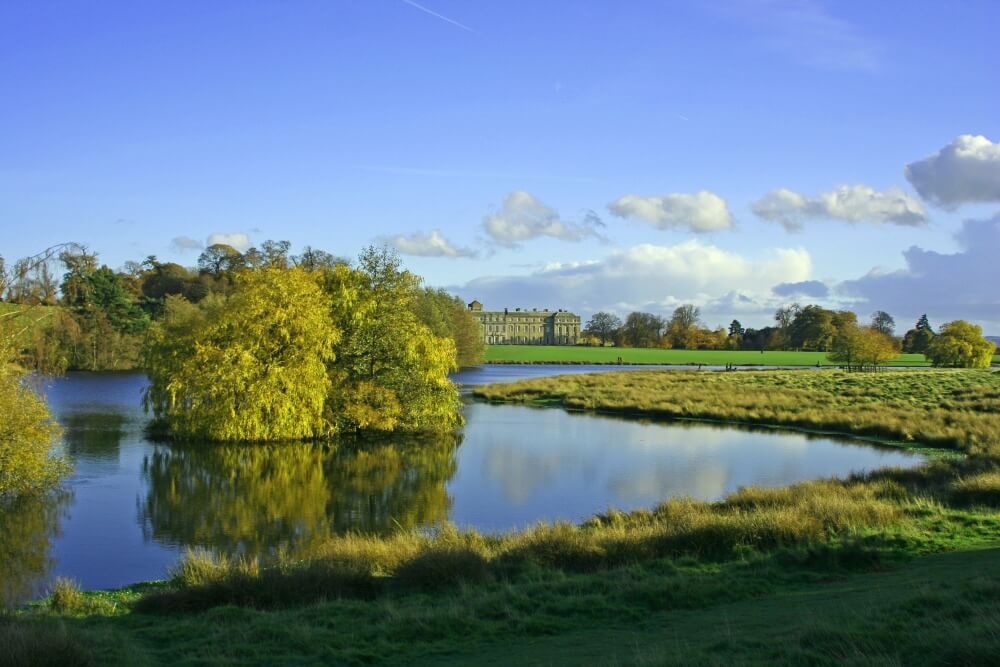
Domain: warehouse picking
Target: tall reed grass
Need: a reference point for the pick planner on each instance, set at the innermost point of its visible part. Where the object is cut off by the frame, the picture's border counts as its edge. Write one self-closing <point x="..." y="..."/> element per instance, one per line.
<point x="956" y="409"/>
<point x="757" y="519"/>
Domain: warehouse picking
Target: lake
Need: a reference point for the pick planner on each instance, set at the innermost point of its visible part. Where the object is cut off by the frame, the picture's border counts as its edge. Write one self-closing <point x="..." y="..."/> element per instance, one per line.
<point x="133" y="506"/>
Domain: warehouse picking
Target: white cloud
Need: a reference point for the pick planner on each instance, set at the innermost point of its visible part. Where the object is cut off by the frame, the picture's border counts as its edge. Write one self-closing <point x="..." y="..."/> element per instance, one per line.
<point x="523" y="217"/>
<point x="966" y="170"/>
<point x="652" y="278"/>
<point x="700" y="212"/>
<point x="427" y="245"/>
<point x="946" y="287"/>
<point x="185" y="243"/>
<point x="237" y="240"/>
<point x="850" y="203"/>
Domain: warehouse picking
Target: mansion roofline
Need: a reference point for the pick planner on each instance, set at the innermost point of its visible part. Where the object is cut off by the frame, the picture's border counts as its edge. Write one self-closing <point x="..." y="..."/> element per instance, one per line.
<point x="521" y="326"/>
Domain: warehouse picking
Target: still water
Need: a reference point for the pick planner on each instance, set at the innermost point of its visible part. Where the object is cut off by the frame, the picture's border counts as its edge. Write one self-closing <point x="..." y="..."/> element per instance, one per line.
<point x="133" y="506"/>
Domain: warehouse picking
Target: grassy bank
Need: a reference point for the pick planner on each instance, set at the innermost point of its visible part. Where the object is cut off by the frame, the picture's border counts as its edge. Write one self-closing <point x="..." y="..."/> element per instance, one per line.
<point x="897" y="567"/>
<point x="954" y="409"/>
<point x="567" y="354"/>
<point x="892" y="567"/>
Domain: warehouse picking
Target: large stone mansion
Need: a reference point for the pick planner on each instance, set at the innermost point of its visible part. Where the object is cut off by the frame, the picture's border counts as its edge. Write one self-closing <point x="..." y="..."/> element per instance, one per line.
<point x="521" y="326"/>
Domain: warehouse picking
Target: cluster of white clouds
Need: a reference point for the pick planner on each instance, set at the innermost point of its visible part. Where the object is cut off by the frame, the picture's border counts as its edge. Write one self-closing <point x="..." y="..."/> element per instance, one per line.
<point x="849" y="203"/>
<point x="660" y="277"/>
<point x="965" y="171"/>
<point x="699" y="212"/>
<point x="523" y="217"/>
<point x="649" y="277"/>
<point x="431" y="244"/>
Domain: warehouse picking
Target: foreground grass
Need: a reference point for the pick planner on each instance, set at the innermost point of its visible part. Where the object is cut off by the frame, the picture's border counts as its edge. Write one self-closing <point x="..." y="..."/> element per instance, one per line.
<point x="889" y="568"/>
<point x="954" y="409"/>
<point x="824" y="572"/>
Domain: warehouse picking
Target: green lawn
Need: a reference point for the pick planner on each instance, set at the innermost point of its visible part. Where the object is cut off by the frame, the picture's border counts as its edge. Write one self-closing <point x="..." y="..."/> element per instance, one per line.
<point x="558" y="354"/>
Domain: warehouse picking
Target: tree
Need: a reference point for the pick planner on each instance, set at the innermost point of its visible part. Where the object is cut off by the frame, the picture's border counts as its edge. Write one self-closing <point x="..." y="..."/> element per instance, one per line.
<point x="961" y="344"/>
<point x="784" y="317"/>
<point x="79" y="265"/>
<point x="220" y="259"/>
<point x="391" y="372"/>
<point x="603" y="325"/>
<point x="917" y="339"/>
<point x="883" y="322"/>
<point x="682" y="328"/>
<point x="812" y="329"/>
<point x="447" y="317"/>
<point x="313" y="259"/>
<point x="862" y="347"/>
<point x="642" y="330"/>
<point x="736" y="329"/>
<point x="276" y="254"/>
<point x="28" y="432"/>
<point x="252" y="367"/>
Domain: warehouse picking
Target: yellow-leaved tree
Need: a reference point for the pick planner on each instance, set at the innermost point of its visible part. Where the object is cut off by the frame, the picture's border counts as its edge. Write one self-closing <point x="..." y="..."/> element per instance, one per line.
<point x="296" y="354"/>
<point x="391" y="371"/>
<point x="28" y="433"/>
<point x="250" y="367"/>
<point x="961" y="344"/>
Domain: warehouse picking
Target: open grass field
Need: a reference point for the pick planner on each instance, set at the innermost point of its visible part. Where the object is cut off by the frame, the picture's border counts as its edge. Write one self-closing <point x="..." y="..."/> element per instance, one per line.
<point x="896" y="567"/>
<point x="569" y="354"/>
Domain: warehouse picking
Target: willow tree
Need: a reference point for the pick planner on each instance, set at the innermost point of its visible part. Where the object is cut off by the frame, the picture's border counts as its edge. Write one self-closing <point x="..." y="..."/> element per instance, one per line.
<point x="251" y="367"/>
<point x="391" y="371"/>
<point x="28" y="433"/>
<point x="962" y="344"/>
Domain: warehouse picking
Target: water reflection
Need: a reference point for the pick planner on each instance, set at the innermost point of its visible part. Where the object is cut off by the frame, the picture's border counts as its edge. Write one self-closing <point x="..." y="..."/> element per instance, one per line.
<point x="95" y="436"/>
<point x="27" y="528"/>
<point x="137" y="504"/>
<point x="522" y="464"/>
<point x="254" y="500"/>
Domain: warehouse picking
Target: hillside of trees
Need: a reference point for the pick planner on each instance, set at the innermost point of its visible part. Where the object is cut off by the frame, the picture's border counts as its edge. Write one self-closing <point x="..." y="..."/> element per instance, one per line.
<point x="65" y="310"/>
<point x="799" y="328"/>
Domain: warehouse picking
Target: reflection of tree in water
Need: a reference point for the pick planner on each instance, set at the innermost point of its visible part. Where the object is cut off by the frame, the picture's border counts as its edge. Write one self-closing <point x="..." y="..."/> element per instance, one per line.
<point x="93" y="435"/>
<point x="253" y="499"/>
<point x="27" y="528"/>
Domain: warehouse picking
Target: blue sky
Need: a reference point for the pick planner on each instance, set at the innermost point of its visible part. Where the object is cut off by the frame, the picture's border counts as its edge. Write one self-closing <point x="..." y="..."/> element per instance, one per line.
<point x="582" y="155"/>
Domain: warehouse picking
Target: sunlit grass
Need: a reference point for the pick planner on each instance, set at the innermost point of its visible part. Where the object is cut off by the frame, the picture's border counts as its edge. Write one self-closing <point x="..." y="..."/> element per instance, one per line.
<point x="941" y="408"/>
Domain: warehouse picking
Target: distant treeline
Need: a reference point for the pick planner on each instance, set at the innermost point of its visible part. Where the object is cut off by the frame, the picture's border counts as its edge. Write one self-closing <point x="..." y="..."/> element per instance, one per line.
<point x="798" y="328"/>
<point x="78" y="314"/>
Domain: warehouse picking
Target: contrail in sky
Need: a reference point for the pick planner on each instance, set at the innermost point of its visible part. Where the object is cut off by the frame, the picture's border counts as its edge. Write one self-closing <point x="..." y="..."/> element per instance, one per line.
<point x="436" y="15"/>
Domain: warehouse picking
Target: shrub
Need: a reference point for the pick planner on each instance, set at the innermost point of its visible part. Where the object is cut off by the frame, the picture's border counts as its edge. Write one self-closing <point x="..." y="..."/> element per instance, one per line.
<point x="66" y="597"/>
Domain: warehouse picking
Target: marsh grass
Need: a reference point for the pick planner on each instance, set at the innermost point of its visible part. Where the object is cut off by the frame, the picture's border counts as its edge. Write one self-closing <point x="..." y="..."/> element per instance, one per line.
<point x="981" y="489"/>
<point x="66" y="596"/>
<point x="797" y="519"/>
<point x="954" y="409"/>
